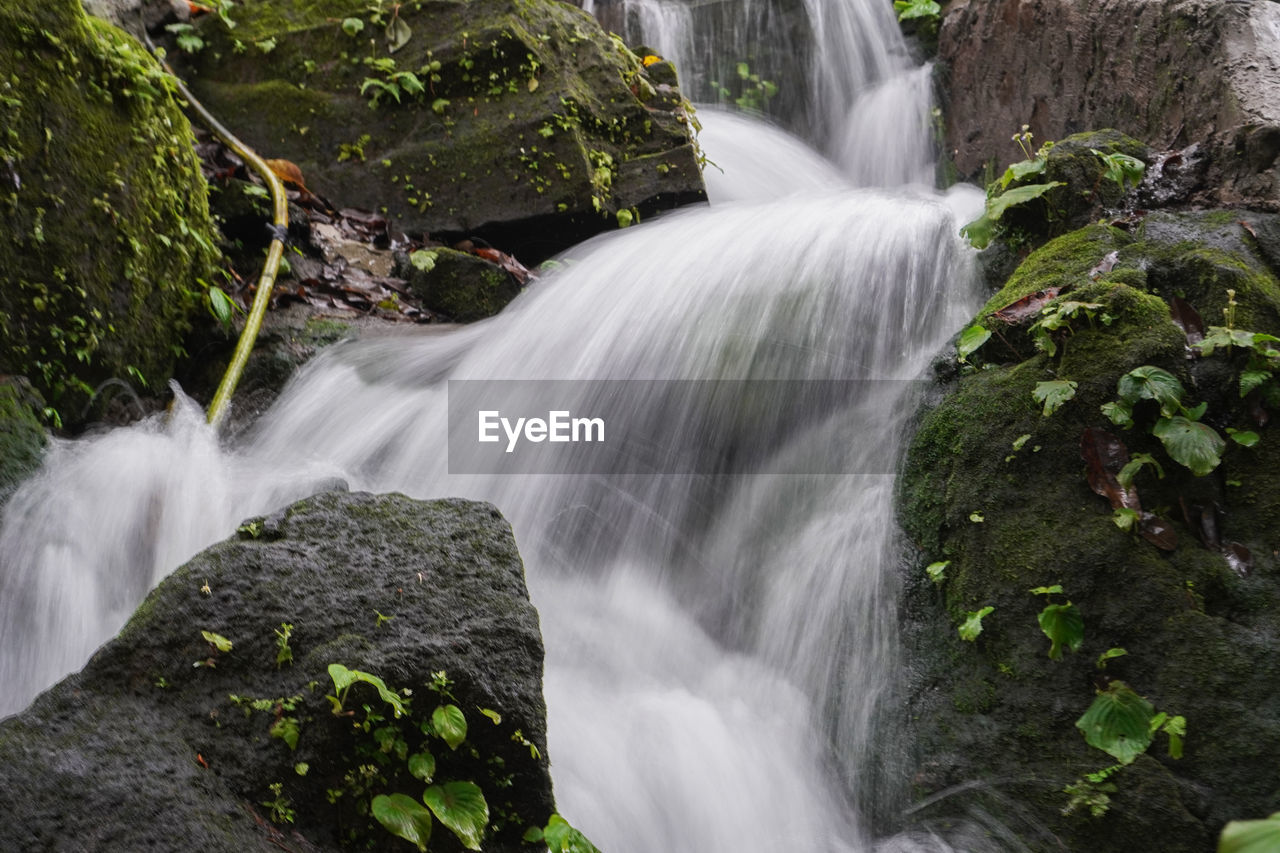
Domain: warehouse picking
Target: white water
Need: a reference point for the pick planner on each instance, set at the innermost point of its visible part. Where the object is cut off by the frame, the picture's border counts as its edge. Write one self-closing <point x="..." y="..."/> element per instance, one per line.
<point x="717" y="648"/>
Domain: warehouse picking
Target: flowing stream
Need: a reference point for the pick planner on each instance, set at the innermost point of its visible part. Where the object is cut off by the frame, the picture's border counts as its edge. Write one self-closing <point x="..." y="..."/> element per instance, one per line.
<point x="719" y="647"/>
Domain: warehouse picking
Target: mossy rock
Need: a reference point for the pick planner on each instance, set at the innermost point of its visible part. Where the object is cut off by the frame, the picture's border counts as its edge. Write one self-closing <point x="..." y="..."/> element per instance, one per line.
<point x="1010" y="520"/>
<point x="461" y="286"/>
<point x="105" y="236"/>
<point x="142" y="750"/>
<point x="522" y="123"/>
<point x="22" y="437"/>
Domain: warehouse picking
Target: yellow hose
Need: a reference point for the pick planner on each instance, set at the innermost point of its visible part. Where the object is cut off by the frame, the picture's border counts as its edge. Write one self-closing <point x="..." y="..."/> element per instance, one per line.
<point x="280" y="221"/>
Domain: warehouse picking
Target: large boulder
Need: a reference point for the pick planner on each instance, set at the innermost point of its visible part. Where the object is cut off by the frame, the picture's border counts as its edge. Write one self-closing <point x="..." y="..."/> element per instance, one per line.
<point x="1002" y="492"/>
<point x="521" y="123"/>
<point x="105" y="236"/>
<point x="242" y="750"/>
<point x="1173" y="74"/>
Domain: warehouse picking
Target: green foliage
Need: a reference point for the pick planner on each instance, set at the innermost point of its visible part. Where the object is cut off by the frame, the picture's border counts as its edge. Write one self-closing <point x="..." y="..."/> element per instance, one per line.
<point x="1125" y="518"/>
<point x="344" y="678"/>
<point x="462" y="808"/>
<point x="1118" y="723"/>
<point x="1110" y="654"/>
<point x="1055" y="320"/>
<point x="1091" y="791"/>
<point x="1251" y="836"/>
<point x="281" y="807"/>
<point x="218" y="641"/>
<point x="937" y="571"/>
<point x="981" y="231"/>
<point x="972" y="625"/>
<point x="1174" y="727"/>
<point x="753" y="93"/>
<point x="1194" y="445"/>
<point x="912" y="9"/>
<point x="284" y="654"/>
<point x="560" y="837"/>
<point x="1063" y="624"/>
<point x="450" y="724"/>
<point x="403" y="818"/>
<point x="1188" y="442"/>
<point x="971" y="339"/>
<point x="1135" y="464"/>
<point x="1053" y="394"/>
<point x="1122" y="169"/>
<point x="221" y="306"/>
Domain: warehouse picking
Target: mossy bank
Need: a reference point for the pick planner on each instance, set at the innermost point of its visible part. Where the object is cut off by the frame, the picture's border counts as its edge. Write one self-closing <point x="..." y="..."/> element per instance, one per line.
<point x="106" y="242"/>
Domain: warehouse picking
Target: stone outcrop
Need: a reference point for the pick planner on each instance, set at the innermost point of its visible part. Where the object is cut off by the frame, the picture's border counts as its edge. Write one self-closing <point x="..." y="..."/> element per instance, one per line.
<point x="105" y="235"/>
<point x="519" y="123"/>
<point x="1175" y="74"/>
<point x="144" y="750"/>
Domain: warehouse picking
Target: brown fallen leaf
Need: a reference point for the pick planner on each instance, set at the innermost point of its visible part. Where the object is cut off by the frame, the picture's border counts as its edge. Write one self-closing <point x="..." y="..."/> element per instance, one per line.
<point x="1027" y="307"/>
<point x="517" y="270"/>
<point x="1187" y="319"/>
<point x="1104" y="456"/>
<point x="1157" y="531"/>
<point x="287" y="172"/>
<point x="1238" y="558"/>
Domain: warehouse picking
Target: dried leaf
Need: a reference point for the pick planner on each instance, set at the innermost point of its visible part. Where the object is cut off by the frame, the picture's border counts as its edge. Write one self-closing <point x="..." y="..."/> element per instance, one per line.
<point x="1203" y="522"/>
<point x="1104" y="266"/>
<point x="1105" y="455"/>
<point x="1157" y="531"/>
<point x="1027" y="307"/>
<point x="1187" y="319"/>
<point x="287" y="172"/>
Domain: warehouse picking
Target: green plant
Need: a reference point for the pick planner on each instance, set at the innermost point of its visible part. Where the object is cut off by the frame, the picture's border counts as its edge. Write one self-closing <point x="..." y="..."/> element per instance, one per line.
<point x="284" y="654"/>
<point x="1251" y="836"/>
<point x="1121" y="168"/>
<point x="915" y="9"/>
<point x="753" y="93"/>
<point x="1091" y="791"/>
<point x="971" y="627"/>
<point x="560" y="837"/>
<point x="937" y="571"/>
<point x="1000" y="197"/>
<point x="353" y="150"/>
<point x="1188" y="442"/>
<point x="281" y="806"/>
<point x="1053" y="393"/>
<point x="1063" y="624"/>
<point x="1123" y="724"/>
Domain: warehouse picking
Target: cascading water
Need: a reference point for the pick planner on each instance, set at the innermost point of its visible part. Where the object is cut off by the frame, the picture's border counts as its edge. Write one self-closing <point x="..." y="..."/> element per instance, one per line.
<point x="717" y="646"/>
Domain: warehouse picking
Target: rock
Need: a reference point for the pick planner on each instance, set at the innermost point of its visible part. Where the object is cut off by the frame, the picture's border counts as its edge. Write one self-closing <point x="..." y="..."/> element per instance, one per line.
<point x="137" y="16"/>
<point x="105" y="234"/>
<point x="520" y="123"/>
<point x="22" y="437"/>
<point x="462" y="286"/>
<point x="141" y="750"/>
<point x="1173" y="74"/>
<point x="997" y="716"/>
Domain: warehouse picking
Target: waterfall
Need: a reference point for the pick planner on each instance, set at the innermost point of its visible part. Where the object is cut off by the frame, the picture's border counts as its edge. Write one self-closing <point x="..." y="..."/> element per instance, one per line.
<point x="719" y="647"/>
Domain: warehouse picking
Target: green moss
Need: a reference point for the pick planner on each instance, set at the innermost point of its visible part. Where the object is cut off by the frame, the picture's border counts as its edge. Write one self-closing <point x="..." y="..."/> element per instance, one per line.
<point x="22" y="438"/>
<point x="1064" y="262"/>
<point x="106" y="235"/>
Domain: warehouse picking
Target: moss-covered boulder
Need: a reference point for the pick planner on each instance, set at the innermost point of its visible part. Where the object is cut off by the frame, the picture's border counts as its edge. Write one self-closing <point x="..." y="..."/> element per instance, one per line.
<point x="1002" y="492"/>
<point x="104" y="227"/>
<point x="516" y="121"/>
<point x="459" y="285"/>
<point x="142" y="750"/>
<point x="22" y="437"/>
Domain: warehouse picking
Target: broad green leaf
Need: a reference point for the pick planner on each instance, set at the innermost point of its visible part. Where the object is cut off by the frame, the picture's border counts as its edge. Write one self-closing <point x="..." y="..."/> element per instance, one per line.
<point x="1109" y="654"/>
<point x="1021" y="440"/>
<point x="1053" y="394"/>
<point x="1134" y="465"/>
<point x="344" y="678"/>
<point x="1119" y="414"/>
<point x="398" y="34"/>
<point x="492" y="714"/>
<point x="1151" y="383"/>
<point x="972" y="626"/>
<point x="1122" y="168"/>
<point x="908" y="9"/>
<point x="450" y="724"/>
<point x="403" y="817"/>
<point x="1249" y="379"/>
<point x="937" y="571"/>
<point x="1022" y="169"/>
<point x="1243" y="437"/>
<point x="1063" y="624"/>
<point x="1056" y="589"/>
<point x="977" y="517"/>
<point x="1251" y="836"/>
<point x="560" y="837"/>
<point x="979" y="232"/>
<point x="422" y="765"/>
<point x="532" y="835"/>
<point x="1176" y="729"/>
<point x="223" y="309"/>
<point x="352" y="26"/>
<point x="461" y="807"/>
<point x="218" y="641"/>
<point x="1016" y="196"/>
<point x="1125" y="518"/>
<point x="410" y="83"/>
<point x="970" y="339"/>
<point x="1195" y="445"/>
<point x="1118" y="723"/>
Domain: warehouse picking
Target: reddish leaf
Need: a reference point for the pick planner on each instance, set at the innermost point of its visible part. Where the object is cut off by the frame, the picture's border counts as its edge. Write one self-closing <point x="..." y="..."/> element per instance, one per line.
<point x="1246" y="226"/>
<point x="1104" y="456"/>
<point x="1238" y="558"/>
<point x="287" y="172"/>
<point x="516" y="269"/>
<point x="1187" y="319"/>
<point x="1157" y="531"/>
<point x="1027" y="307"/>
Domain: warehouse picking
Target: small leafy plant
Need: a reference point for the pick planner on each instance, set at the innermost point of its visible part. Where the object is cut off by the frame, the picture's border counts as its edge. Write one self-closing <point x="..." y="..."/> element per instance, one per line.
<point x="971" y="627"/>
<point x="1000" y="197"/>
<point x="1188" y="442"/>
<point x="1063" y="624"/>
